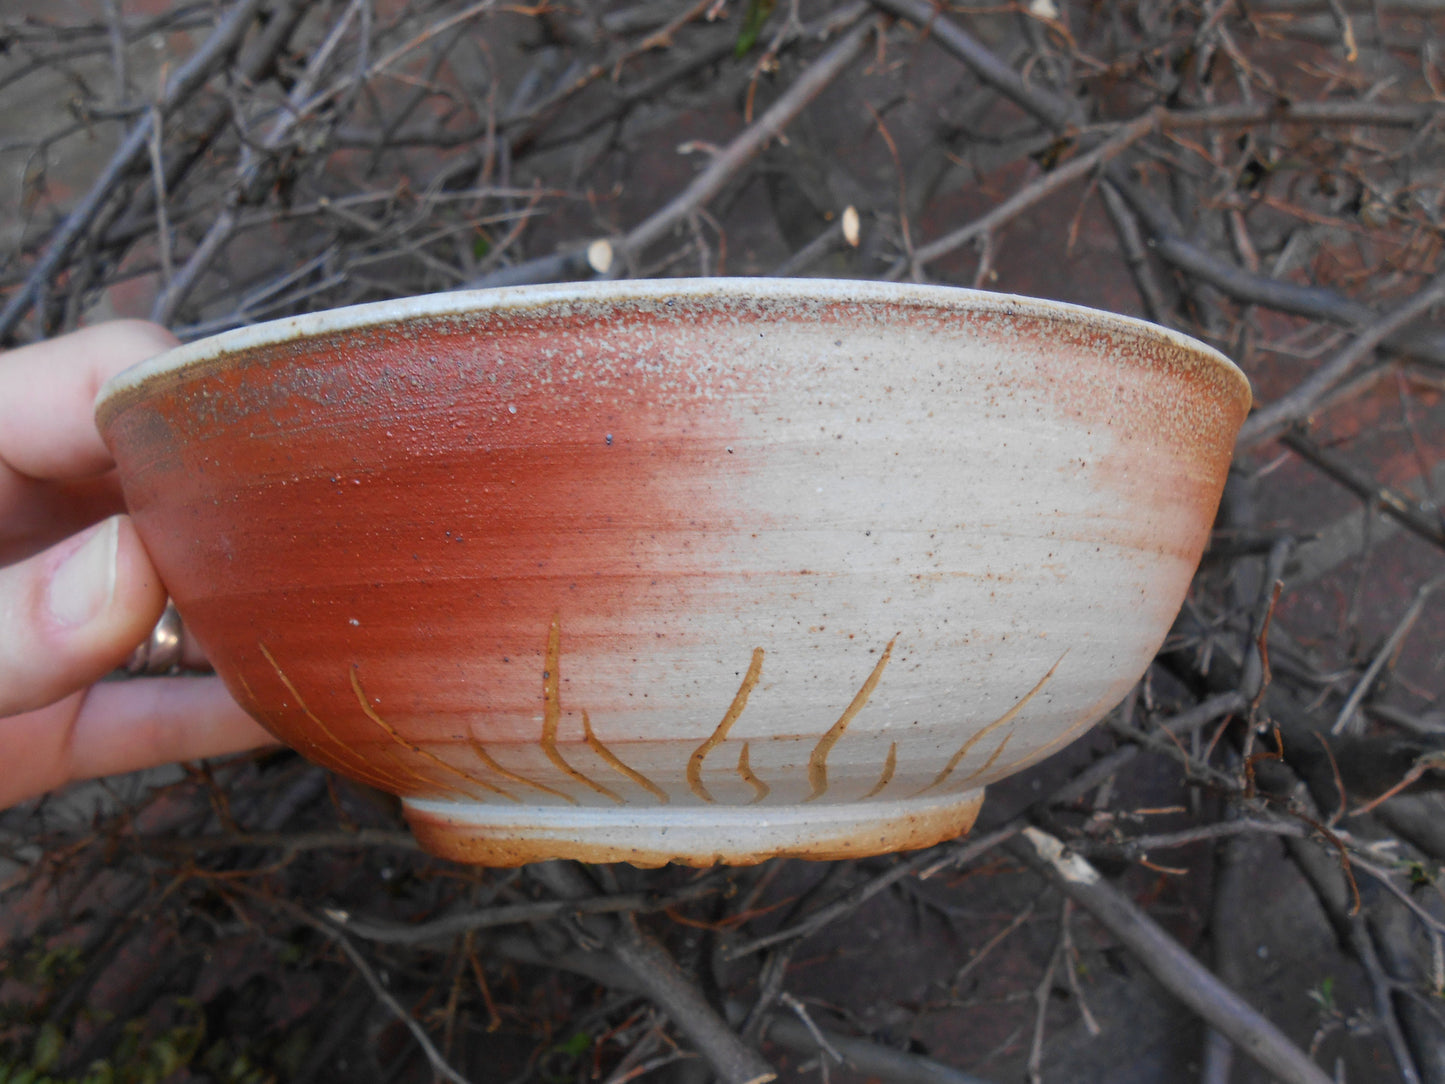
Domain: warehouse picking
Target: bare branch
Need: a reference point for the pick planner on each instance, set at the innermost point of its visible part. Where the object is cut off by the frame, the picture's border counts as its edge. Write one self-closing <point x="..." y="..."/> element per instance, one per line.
<point x="1272" y="419"/>
<point x="730" y="161"/>
<point x="187" y="80"/>
<point x="1180" y="973"/>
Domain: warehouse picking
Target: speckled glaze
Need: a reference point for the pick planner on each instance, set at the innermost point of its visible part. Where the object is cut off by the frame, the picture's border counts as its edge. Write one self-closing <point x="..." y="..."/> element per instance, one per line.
<point x="689" y="571"/>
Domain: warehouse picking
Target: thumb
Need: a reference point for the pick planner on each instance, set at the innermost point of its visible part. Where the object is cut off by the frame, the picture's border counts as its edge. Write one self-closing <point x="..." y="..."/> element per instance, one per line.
<point x="73" y="613"/>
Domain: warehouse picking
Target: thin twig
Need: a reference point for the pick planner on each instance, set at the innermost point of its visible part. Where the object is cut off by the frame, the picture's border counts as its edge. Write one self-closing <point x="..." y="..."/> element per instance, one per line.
<point x="1255" y="288"/>
<point x="865" y="1056"/>
<point x="932" y="860"/>
<point x="1329" y="886"/>
<point x="298" y="105"/>
<point x="1061" y="116"/>
<point x="1305" y="396"/>
<point x="660" y="978"/>
<point x="1179" y="972"/>
<point x="512" y="915"/>
<point x="1042" y="994"/>
<point x="1328" y="111"/>
<point x="843" y="230"/>
<point x="801" y="1012"/>
<point x="1126" y="226"/>
<point x="747" y="146"/>
<point x="1387" y="652"/>
<point x="1228" y="923"/>
<point x="1385" y="878"/>
<point x="290" y="842"/>
<point x="1185" y="722"/>
<point x="1404" y="511"/>
<point x="993" y="942"/>
<point x="1139" y="846"/>
<point x="434" y="1056"/>
<point x="158" y="175"/>
<point x="1026" y="197"/>
<point x="1071" y="972"/>
<point x="1363" y="945"/>
<point x="187" y="79"/>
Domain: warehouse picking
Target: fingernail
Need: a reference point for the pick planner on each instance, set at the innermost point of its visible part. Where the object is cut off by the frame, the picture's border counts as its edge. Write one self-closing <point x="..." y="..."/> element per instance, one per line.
<point x="85" y="583"/>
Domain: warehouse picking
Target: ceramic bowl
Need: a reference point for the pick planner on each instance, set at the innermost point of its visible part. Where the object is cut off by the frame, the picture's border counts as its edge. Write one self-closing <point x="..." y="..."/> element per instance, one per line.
<point x="698" y="571"/>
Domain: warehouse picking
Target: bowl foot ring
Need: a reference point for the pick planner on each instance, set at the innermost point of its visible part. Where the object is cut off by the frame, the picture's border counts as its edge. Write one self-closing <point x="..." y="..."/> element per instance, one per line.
<point x="694" y="836"/>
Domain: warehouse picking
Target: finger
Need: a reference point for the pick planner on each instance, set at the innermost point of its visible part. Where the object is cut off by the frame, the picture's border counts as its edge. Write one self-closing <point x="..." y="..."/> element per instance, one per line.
<point x="47" y="396"/>
<point x="121" y="726"/>
<point x="73" y="613"/>
<point x="53" y="465"/>
<point x="36" y="514"/>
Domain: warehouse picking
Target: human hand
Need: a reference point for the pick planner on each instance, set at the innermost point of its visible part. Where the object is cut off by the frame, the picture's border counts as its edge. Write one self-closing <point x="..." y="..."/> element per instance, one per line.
<point x="77" y="590"/>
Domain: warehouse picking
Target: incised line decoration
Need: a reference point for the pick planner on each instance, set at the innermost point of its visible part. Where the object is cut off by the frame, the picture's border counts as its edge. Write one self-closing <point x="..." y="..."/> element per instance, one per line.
<point x="486" y="758"/>
<point x="375" y="717"/>
<point x="718" y="736"/>
<point x="353" y="761"/>
<point x="989" y="763"/>
<point x="614" y="762"/>
<point x="745" y="770"/>
<point x="552" y="712"/>
<point x="818" y="762"/>
<point x="1003" y="720"/>
<point x="889" y="766"/>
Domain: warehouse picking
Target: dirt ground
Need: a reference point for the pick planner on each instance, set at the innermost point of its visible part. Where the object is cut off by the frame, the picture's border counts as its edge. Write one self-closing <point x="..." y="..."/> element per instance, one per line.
<point x="1263" y="174"/>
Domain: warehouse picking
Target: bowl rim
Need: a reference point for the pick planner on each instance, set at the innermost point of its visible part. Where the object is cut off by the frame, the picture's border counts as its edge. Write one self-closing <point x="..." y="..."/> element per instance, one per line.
<point x="130" y="384"/>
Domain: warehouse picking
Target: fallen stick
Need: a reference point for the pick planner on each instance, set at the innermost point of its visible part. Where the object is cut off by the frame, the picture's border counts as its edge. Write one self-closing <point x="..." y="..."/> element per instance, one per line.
<point x="1026" y="197"/>
<point x="1175" y="969"/>
<point x="1305" y="397"/>
<point x="1402" y="509"/>
<point x="863" y="1055"/>
<point x="663" y="982"/>
<point x="512" y="914"/>
<point x="749" y="144"/>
